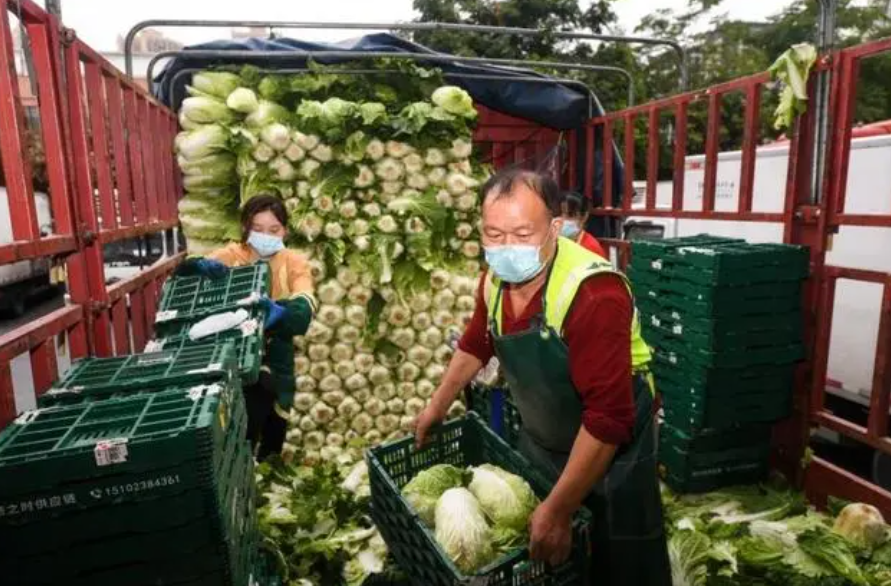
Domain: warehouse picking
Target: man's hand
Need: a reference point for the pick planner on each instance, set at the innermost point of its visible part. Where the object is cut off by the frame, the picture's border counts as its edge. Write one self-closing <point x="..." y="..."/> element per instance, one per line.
<point x="550" y="534"/>
<point x="430" y="416"/>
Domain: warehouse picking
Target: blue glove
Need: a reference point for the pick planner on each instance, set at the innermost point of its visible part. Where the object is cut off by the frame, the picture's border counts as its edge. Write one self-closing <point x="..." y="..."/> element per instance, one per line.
<point x="211" y="268"/>
<point x="274" y="312"/>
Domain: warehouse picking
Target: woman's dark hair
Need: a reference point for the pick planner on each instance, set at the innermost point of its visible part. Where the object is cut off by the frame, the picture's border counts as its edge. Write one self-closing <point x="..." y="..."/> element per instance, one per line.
<point x="575" y="205"/>
<point x="261" y="203"/>
<point x="503" y="183"/>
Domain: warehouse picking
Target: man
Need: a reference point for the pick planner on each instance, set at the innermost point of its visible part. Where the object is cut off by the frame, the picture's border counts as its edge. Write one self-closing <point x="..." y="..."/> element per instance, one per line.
<point x="561" y="322"/>
<point x="575" y="211"/>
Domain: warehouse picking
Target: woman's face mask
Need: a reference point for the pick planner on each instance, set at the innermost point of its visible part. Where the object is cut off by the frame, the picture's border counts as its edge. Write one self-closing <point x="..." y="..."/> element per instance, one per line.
<point x="265" y="244"/>
<point x="571" y="229"/>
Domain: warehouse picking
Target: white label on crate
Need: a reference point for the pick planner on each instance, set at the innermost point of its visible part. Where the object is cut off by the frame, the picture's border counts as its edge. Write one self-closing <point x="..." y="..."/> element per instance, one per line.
<point x="215" y="367"/>
<point x="195" y="393"/>
<point x="655" y="321"/>
<point x="27" y="417"/>
<point x="165" y="315"/>
<point x="673" y="358"/>
<point x="697" y="250"/>
<point x="199" y="391"/>
<point x="113" y="451"/>
<point x="657" y="264"/>
<point x="249" y="300"/>
<point x="154" y="346"/>
<point x="248" y="328"/>
<point x="677" y="329"/>
<point x="156" y="358"/>
<point x="675" y="315"/>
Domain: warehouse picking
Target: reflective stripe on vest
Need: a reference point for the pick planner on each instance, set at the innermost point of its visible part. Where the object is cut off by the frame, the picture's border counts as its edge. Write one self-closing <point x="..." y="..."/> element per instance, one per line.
<point x="572" y="266"/>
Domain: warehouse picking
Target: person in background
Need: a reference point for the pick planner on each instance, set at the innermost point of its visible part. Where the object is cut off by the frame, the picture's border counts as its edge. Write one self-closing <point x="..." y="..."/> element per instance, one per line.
<point x="289" y="312"/>
<point x="575" y="212"/>
<point x="561" y="321"/>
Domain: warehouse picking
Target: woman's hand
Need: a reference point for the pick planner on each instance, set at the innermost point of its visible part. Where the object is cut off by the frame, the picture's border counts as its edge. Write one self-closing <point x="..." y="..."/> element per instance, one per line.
<point x="274" y="312"/>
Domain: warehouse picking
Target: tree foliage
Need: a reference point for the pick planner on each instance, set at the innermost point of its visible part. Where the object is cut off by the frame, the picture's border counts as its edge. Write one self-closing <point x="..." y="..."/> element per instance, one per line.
<point x="719" y="49"/>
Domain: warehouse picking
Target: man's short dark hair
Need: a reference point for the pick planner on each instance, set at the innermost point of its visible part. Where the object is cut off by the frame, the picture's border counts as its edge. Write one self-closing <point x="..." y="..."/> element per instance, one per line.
<point x="258" y="204"/>
<point x="502" y="184"/>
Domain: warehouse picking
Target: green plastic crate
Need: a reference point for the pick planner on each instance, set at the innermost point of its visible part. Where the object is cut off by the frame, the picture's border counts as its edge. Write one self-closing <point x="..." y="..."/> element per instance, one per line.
<point x="697" y="413"/>
<point x="678" y="353"/>
<point x="724" y="295"/>
<point x="729" y="475"/>
<point x="743" y="263"/>
<point x="714" y="459"/>
<point x="248" y="340"/>
<point x="63" y="528"/>
<point x="189" y="365"/>
<point x="689" y="464"/>
<point x="678" y="322"/>
<point x="713" y="335"/>
<point x="715" y="309"/>
<point x="216" y="547"/>
<point x="714" y="440"/>
<point x="720" y="382"/>
<point x="72" y="451"/>
<point x="645" y="252"/>
<point x="192" y="298"/>
<point x="461" y="442"/>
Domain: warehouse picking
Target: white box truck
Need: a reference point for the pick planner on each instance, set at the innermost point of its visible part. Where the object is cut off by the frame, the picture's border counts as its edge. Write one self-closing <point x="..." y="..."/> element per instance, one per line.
<point x="22" y="280"/>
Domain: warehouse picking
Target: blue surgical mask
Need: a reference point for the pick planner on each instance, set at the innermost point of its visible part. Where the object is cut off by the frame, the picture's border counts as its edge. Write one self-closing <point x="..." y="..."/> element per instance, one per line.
<point x="265" y="244"/>
<point x="514" y="263"/>
<point x="570" y="229"/>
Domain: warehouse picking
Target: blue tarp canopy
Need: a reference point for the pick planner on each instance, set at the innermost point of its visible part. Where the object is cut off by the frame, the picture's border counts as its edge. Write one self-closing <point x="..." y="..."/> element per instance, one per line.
<point x="552" y="105"/>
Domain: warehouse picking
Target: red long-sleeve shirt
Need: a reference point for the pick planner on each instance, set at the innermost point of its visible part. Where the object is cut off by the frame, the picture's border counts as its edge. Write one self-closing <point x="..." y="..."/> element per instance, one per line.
<point x="598" y="334"/>
<point x="587" y="240"/>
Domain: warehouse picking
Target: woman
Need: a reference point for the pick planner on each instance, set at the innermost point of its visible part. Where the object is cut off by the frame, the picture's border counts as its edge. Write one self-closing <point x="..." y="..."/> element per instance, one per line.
<point x="575" y="216"/>
<point x="264" y="223"/>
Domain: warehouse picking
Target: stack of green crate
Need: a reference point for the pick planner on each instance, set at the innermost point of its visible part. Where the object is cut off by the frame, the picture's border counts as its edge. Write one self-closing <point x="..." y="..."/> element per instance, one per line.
<point x="186" y="301"/>
<point x="135" y="470"/>
<point x="723" y="318"/>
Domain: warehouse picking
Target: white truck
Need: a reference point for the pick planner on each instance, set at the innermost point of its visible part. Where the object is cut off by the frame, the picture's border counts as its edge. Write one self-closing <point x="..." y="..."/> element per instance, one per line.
<point x="22" y="280"/>
<point x="857" y="304"/>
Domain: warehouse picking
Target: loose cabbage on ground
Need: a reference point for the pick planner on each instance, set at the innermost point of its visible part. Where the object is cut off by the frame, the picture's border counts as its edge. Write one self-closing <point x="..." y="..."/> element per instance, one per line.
<point x="768" y="536"/>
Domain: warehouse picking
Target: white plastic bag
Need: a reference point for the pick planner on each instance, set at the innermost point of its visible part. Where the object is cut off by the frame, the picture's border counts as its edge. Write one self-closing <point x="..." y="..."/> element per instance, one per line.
<point x="219" y="322"/>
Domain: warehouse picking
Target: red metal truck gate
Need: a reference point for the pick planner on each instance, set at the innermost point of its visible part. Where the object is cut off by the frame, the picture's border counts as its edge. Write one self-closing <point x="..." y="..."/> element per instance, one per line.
<point x="804" y="222"/>
<point x="111" y="176"/>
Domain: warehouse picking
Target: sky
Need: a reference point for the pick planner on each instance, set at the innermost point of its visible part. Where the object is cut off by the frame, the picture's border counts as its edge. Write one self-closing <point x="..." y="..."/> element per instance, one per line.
<point x="99" y="22"/>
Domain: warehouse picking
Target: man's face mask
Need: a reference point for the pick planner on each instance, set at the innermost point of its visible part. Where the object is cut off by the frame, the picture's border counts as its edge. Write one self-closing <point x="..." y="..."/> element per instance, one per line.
<point x="516" y="263"/>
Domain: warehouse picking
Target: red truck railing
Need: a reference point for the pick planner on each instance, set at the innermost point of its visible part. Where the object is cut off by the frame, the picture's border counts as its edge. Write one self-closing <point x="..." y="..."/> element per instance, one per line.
<point x="803" y="222"/>
<point x="111" y="176"/>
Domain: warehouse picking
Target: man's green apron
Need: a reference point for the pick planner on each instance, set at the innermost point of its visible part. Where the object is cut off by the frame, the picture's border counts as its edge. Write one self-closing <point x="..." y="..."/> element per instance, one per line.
<point x="629" y="543"/>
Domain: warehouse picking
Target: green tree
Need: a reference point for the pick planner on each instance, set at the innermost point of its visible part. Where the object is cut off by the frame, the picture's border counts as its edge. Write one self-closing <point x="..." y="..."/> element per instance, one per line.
<point x="547" y="16"/>
<point x="726" y="49"/>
